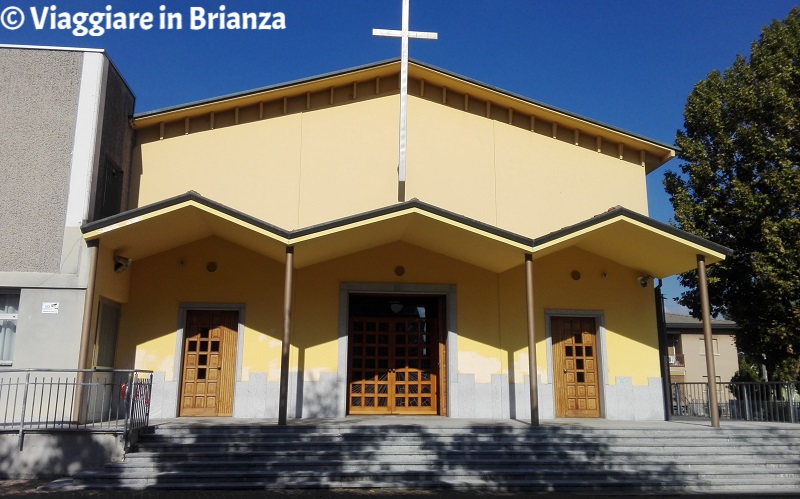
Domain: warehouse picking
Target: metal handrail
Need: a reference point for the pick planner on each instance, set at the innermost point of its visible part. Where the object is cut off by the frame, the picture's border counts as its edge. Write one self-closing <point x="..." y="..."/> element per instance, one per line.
<point x="92" y="400"/>
<point x="773" y="401"/>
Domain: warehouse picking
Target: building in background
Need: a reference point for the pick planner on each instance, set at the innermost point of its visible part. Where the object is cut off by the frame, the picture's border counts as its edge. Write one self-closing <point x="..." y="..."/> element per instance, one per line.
<point x="686" y="349"/>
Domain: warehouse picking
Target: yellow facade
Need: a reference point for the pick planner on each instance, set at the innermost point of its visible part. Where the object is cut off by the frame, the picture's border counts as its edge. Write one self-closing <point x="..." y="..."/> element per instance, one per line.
<point x="494" y="172"/>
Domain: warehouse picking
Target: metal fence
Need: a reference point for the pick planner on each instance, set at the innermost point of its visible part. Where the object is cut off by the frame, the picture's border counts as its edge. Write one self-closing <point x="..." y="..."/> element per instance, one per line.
<point x="93" y="400"/>
<point x="773" y="401"/>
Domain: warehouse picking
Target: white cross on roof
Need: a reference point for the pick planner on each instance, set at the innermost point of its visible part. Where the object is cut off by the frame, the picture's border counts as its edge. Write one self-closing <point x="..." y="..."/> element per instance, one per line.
<point x="404" y="34"/>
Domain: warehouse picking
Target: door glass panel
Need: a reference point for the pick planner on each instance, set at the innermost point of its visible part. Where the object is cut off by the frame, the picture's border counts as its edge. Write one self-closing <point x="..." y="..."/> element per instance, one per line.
<point x="399" y="349"/>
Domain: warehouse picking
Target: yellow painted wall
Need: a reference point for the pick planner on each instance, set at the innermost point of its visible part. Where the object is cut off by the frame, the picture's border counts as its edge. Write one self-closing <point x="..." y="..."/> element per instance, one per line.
<point x="628" y="309"/>
<point x="310" y="167"/>
<point x="491" y="308"/>
<point x="160" y="284"/>
<point x="292" y="171"/>
<point x="110" y="284"/>
<point x="316" y="314"/>
<point x="491" y="311"/>
<point x="510" y="177"/>
<point x="631" y="338"/>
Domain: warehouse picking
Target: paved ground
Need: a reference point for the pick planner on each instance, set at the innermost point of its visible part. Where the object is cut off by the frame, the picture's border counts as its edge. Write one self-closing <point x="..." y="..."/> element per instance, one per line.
<point x="29" y="489"/>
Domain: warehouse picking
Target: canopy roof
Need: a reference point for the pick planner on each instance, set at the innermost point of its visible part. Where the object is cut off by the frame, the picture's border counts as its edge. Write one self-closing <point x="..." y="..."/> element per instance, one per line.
<point x="635" y="241"/>
<point x="149" y="230"/>
<point x="620" y="235"/>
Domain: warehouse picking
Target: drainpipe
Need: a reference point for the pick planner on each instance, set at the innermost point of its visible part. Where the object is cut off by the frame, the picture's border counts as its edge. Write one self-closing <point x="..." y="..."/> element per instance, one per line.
<point x="534" y="377"/>
<point x="286" y="342"/>
<point x="662" y="350"/>
<point x="713" y="407"/>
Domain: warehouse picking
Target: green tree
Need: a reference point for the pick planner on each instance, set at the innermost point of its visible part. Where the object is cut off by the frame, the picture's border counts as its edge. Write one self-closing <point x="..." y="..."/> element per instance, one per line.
<point x="740" y="187"/>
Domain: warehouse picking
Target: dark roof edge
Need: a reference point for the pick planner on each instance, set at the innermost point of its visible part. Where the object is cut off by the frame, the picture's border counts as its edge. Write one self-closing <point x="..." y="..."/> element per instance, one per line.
<point x="268" y="88"/>
<point x="414" y="203"/>
<point x="619" y="211"/>
<point x="689" y="322"/>
<point x="546" y="106"/>
<point x="182" y="198"/>
<point x="418" y="63"/>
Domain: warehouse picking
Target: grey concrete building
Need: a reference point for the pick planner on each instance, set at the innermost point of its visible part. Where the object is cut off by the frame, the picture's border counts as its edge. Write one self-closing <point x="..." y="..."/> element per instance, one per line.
<point x="64" y="159"/>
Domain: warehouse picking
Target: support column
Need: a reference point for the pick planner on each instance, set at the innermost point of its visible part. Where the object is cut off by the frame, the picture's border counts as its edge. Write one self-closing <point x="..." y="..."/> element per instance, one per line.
<point x="713" y="406"/>
<point x="86" y="346"/>
<point x="534" y="377"/>
<point x="287" y="336"/>
<point x="88" y="304"/>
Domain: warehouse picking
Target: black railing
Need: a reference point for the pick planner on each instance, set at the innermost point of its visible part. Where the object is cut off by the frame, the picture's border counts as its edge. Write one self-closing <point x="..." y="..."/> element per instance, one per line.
<point x="93" y="400"/>
<point x="773" y="401"/>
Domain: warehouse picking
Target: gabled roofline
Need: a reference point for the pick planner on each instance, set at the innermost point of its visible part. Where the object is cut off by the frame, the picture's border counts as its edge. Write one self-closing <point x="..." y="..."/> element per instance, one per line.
<point x="150" y="115"/>
<point x="544" y="105"/>
<point x="176" y="200"/>
<point x="305" y="231"/>
<point x="619" y="211"/>
<point x="268" y="88"/>
<point x="411" y="204"/>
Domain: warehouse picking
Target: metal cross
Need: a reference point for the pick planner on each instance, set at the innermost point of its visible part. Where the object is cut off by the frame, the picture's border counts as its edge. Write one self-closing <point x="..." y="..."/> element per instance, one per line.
<point x="404" y="34"/>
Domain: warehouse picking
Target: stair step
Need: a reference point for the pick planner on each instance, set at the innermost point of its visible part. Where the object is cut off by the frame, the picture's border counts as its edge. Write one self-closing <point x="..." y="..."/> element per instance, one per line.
<point x="498" y="454"/>
<point x="581" y="460"/>
<point x="451" y="466"/>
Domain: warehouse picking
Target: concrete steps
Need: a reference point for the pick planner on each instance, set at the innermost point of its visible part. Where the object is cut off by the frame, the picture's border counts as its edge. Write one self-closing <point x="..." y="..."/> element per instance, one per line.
<point x="546" y="458"/>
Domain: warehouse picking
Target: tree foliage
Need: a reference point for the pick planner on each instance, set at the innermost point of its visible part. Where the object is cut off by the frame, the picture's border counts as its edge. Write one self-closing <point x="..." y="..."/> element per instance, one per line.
<point x="740" y="187"/>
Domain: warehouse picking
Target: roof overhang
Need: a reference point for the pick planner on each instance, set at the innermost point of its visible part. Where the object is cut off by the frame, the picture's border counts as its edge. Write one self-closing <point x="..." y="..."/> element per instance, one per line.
<point x="635" y="241"/>
<point x="429" y="73"/>
<point x="184" y="219"/>
<point x="626" y="237"/>
<point x="150" y="230"/>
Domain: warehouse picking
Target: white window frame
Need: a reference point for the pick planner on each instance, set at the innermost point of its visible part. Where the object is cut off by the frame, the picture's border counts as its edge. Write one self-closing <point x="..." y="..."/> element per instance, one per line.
<point x="4" y="316"/>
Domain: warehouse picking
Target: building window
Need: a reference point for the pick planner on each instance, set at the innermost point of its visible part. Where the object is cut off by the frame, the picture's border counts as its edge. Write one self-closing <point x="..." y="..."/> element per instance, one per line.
<point x="108" y="198"/>
<point x="9" y="311"/>
<point x="714" y="346"/>
<point x="107" y="329"/>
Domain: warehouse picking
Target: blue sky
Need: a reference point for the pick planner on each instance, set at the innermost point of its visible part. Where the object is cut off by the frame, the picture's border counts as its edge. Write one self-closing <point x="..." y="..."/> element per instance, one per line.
<point x="627" y="63"/>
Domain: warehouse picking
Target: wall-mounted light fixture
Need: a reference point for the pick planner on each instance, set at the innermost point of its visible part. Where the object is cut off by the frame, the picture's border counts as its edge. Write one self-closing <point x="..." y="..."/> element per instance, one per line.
<point x="121" y="263"/>
<point x="642" y="280"/>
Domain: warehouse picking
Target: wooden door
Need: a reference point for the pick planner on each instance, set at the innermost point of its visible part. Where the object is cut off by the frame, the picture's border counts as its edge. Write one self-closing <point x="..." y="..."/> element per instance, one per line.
<point x="575" y="367"/>
<point x="393" y="365"/>
<point x="209" y="363"/>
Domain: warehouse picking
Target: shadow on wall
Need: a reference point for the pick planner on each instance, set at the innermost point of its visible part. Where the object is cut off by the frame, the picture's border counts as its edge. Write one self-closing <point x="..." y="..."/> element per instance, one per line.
<point x="53" y="455"/>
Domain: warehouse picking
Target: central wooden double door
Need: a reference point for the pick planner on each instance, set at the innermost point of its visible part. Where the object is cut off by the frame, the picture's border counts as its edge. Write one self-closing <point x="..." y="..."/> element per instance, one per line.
<point x="394" y="353"/>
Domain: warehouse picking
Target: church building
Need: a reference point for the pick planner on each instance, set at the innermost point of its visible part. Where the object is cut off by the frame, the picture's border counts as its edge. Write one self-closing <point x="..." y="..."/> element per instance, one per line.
<point x="264" y="256"/>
